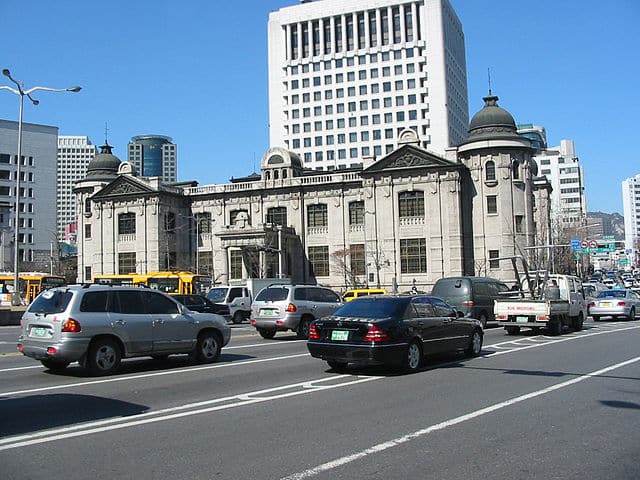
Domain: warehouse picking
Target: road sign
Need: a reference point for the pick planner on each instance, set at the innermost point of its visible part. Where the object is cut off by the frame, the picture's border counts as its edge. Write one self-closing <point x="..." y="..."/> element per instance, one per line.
<point x="593" y="244"/>
<point x="575" y="244"/>
<point x="584" y="244"/>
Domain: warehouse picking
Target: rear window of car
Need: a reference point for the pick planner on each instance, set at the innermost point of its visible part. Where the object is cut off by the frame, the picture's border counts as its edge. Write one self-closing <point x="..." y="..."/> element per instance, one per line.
<point x="451" y="287"/>
<point x="273" y="294"/>
<point x="374" y="307"/>
<point x="51" y="301"/>
<point x="612" y="294"/>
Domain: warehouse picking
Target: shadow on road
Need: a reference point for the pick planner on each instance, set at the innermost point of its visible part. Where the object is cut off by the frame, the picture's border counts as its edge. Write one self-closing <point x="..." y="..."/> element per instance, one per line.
<point x="41" y="412"/>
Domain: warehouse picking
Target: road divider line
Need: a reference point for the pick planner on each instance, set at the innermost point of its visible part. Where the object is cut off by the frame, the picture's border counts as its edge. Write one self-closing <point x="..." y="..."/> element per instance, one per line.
<point x="259" y="396"/>
<point x="333" y="464"/>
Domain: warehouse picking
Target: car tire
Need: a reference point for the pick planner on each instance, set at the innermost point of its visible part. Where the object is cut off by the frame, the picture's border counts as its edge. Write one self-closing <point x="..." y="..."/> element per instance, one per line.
<point x="578" y="322"/>
<point x="337" y="366"/>
<point x="555" y="329"/>
<point x="238" y="318"/>
<point x="104" y="357"/>
<point x="632" y="314"/>
<point x="512" y="330"/>
<point x="208" y="347"/>
<point x="413" y="357"/>
<point x="475" y="344"/>
<point x="265" y="333"/>
<point x="55" y="365"/>
<point x="483" y="319"/>
<point x="303" y="328"/>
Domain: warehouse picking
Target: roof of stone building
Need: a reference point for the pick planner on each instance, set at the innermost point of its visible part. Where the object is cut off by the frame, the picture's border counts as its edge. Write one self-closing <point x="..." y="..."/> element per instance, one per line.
<point x="104" y="166"/>
<point x="492" y="121"/>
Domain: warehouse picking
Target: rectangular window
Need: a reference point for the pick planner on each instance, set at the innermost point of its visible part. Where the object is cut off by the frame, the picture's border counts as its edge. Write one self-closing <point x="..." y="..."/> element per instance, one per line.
<point x="319" y="260"/>
<point x="413" y="255"/>
<point x="235" y="264"/>
<point x="87" y="231"/>
<point x="127" y="262"/>
<point x="492" y="255"/>
<point x="357" y="259"/>
<point x="126" y="223"/>
<point x="317" y="215"/>
<point x="492" y="204"/>
<point x="356" y="213"/>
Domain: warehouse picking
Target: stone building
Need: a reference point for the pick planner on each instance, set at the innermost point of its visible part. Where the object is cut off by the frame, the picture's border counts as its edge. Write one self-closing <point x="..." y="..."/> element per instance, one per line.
<point x="403" y="220"/>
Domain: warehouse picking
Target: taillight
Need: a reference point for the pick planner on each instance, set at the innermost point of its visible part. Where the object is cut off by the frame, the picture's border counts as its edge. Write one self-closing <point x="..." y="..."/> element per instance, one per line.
<point x="376" y="334"/>
<point x="468" y="303"/>
<point x="622" y="304"/>
<point x="20" y="347"/>
<point x="71" y="325"/>
<point x="52" y="350"/>
<point x="592" y="304"/>
<point x="313" y="332"/>
<point x="291" y="308"/>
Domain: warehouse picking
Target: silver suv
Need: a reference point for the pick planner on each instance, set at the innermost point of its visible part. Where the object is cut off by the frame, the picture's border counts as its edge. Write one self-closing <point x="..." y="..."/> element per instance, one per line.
<point x="279" y="308"/>
<point x="98" y="325"/>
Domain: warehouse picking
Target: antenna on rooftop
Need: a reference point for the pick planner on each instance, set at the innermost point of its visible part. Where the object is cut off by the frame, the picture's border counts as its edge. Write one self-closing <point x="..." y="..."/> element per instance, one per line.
<point x="106" y="130"/>
<point x="489" y="79"/>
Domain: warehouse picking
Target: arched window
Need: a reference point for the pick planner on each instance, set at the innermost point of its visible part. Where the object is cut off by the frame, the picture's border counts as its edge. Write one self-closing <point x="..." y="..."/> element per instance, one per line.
<point x="490" y="170"/>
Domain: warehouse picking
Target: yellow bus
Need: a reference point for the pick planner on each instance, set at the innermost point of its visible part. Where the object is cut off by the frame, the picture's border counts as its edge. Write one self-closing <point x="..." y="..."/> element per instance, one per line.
<point x="30" y="285"/>
<point x="177" y="283"/>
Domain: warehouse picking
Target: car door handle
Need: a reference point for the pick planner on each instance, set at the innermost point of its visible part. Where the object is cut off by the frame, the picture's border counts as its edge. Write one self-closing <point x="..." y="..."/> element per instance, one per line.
<point x="120" y="322"/>
<point x="158" y="322"/>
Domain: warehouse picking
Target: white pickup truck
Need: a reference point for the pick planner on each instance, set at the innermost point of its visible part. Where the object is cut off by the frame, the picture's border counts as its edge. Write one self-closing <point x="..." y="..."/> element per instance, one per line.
<point x="560" y="303"/>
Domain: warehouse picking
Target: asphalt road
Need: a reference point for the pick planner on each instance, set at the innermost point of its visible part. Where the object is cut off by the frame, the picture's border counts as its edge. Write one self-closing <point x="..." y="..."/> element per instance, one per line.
<point x="564" y="407"/>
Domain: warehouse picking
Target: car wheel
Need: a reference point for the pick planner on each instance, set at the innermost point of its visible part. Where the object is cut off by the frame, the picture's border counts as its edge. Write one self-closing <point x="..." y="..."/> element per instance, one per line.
<point x="632" y="314"/>
<point x="512" y="330"/>
<point x="413" y="358"/>
<point x="337" y="366"/>
<point x="577" y="323"/>
<point x="264" y="333"/>
<point x="208" y="347"/>
<point x="104" y="357"/>
<point x="54" y="365"/>
<point x="596" y="318"/>
<point x="483" y="319"/>
<point x="237" y="318"/>
<point x="555" y="328"/>
<point x="475" y="345"/>
<point x="303" y="328"/>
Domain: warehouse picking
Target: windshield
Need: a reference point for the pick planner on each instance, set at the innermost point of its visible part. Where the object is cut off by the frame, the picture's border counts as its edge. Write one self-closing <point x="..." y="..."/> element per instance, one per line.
<point x="217" y="294"/>
<point x="374" y="307"/>
<point x="51" y="301"/>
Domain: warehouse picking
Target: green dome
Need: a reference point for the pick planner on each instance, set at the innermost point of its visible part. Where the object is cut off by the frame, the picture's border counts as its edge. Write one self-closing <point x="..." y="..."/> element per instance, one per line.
<point x="492" y="121"/>
<point x="104" y="166"/>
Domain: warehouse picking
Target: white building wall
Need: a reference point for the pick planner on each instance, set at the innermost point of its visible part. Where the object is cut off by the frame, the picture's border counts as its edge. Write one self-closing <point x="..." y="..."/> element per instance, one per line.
<point x="631" y="211"/>
<point x="74" y="155"/>
<point x="38" y="218"/>
<point x="421" y="74"/>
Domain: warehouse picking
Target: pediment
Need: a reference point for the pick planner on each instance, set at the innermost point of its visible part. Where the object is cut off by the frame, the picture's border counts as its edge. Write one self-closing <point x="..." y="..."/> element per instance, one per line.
<point x="410" y="157"/>
<point x="124" y="186"/>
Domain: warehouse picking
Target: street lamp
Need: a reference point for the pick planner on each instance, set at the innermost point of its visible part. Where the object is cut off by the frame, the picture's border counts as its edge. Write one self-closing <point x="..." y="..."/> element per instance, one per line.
<point x="21" y="92"/>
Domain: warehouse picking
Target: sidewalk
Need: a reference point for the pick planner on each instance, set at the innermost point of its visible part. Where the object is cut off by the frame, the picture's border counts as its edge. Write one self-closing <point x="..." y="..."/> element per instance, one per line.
<point x="11" y="315"/>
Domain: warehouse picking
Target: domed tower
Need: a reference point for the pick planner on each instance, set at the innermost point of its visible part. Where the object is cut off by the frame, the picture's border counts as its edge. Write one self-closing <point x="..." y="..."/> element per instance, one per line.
<point x="104" y="166"/>
<point x="502" y="175"/>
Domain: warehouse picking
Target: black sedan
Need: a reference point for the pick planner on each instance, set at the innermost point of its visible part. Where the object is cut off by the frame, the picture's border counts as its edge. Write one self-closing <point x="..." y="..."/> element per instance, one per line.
<point x="392" y="330"/>
<point x="200" y="303"/>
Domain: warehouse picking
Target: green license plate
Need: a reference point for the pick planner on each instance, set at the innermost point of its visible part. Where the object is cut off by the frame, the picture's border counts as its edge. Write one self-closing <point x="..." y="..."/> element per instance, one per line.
<point x="522" y="319"/>
<point x="267" y="312"/>
<point x="38" y="332"/>
<point x="340" y="335"/>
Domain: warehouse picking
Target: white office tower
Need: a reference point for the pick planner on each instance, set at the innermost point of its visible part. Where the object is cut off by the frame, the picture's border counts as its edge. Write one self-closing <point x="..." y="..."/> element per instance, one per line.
<point x="347" y="76"/>
<point x="74" y="154"/>
<point x="631" y="211"/>
<point x="562" y="168"/>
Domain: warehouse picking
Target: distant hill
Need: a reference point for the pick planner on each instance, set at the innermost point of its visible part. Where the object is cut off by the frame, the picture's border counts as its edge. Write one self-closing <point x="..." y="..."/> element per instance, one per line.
<point x="612" y="223"/>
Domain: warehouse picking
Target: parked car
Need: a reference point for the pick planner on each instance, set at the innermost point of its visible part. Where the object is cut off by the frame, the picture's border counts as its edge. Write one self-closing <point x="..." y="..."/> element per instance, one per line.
<point x="200" y="303"/>
<point x="98" y="325"/>
<point x="279" y="308"/>
<point x="392" y="330"/>
<point x="617" y="302"/>
<point x="473" y="296"/>
<point x="362" y="292"/>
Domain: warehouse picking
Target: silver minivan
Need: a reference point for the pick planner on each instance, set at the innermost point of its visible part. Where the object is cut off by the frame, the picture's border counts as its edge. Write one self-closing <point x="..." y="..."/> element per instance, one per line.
<point x="278" y="308"/>
<point x="98" y="325"/>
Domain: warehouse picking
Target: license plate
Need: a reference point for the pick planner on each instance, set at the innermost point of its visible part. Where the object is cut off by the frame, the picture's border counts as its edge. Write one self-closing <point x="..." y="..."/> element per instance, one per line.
<point x="39" y="332"/>
<point x="340" y="335"/>
<point x="522" y="319"/>
<point x="605" y="304"/>
<point x="267" y="312"/>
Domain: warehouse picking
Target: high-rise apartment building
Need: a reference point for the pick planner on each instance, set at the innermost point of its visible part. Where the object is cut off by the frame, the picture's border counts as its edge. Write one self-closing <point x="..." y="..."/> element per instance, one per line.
<point x="37" y="219"/>
<point x="346" y="77"/>
<point x="74" y="154"/>
<point x="631" y="211"/>
<point x="562" y="168"/>
<point x="154" y="156"/>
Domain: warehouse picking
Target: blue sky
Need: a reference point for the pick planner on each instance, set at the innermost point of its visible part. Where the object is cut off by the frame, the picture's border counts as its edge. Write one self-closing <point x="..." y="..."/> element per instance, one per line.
<point x="197" y="71"/>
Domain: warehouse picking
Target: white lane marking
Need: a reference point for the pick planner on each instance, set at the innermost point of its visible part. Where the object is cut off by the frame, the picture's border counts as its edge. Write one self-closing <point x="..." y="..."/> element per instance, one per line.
<point x="552" y="340"/>
<point x="448" y="423"/>
<point x="154" y="374"/>
<point x="12" y="369"/>
<point x="259" y="396"/>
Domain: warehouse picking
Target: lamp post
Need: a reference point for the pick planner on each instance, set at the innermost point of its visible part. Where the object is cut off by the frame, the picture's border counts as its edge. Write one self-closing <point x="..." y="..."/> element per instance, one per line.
<point x="21" y="92"/>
